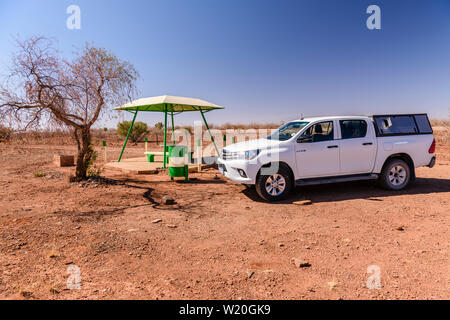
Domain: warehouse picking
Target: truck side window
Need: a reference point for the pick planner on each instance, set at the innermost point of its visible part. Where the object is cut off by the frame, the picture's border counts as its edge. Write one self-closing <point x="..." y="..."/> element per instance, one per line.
<point x="322" y="131"/>
<point x="353" y="129"/>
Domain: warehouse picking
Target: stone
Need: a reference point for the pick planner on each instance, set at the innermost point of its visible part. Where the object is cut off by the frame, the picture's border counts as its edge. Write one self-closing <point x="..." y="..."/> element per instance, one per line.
<point x="299" y="263"/>
<point x="168" y="200"/>
<point x="303" y="203"/>
<point x="156" y="220"/>
<point x="62" y="160"/>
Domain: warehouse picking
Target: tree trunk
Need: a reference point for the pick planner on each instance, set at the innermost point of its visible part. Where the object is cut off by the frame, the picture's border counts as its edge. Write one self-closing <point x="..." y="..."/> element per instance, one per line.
<point x="84" y="154"/>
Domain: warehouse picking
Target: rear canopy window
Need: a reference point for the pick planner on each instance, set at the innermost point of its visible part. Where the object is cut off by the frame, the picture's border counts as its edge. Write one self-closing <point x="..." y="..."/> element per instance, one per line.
<point x="423" y="124"/>
<point x="402" y="124"/>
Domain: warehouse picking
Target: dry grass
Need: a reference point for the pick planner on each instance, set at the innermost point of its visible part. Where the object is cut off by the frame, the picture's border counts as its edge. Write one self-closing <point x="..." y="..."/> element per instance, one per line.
<point x="441" y="130"/>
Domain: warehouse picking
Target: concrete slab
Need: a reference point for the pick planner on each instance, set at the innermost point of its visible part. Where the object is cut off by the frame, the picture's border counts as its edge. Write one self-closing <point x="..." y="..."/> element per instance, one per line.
<point x="142" y="166"/>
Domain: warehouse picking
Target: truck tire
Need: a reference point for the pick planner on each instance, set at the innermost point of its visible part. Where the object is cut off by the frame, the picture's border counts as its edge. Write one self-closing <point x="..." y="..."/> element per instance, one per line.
<point x="395" y="175"/>
<point x="274" y="187"/>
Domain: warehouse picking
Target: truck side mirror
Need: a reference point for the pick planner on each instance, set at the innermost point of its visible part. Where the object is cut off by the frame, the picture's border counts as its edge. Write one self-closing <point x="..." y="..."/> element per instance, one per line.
<point x="304" y="139"/>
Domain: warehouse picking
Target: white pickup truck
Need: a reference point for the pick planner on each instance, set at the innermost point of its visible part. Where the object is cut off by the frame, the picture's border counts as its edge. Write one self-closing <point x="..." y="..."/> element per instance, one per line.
<point x="332" y="149"/>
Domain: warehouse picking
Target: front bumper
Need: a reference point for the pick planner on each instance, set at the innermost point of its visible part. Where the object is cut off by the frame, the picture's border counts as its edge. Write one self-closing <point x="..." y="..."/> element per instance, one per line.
<point x="230" y="169"/>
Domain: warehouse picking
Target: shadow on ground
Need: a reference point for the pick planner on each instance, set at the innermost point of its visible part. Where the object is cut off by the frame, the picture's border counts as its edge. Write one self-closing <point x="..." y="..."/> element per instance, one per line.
<point x="368" y="190"/>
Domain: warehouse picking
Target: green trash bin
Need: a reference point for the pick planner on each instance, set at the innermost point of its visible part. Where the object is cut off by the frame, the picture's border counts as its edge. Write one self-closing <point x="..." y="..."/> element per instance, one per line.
<point x="178" y="166"/>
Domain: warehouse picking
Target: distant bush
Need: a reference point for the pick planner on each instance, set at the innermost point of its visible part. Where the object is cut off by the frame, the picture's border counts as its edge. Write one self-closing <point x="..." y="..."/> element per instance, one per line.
<point x="5" y="134"/>
<point x="139" y="130"/>
<point x="159" y="125"/>
<point x="39" y="174"/>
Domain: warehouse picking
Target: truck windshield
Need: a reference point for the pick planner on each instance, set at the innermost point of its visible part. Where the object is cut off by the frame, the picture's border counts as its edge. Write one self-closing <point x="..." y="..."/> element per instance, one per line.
<point x="287" y="131"/>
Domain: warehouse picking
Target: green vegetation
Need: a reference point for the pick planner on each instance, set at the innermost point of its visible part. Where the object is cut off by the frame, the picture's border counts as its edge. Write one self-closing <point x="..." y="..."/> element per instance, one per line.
<point x="139" y="130"/>
<point x="39" y="174"/>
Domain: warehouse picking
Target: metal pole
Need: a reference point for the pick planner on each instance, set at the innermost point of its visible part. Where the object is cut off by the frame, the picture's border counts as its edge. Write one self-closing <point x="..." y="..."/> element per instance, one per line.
<point x="165" y="135"/>
<point x="173" y="127"/>
<point x="199" y="156"/>
<point x="128" y="135"/>
<point x="207" y="127"/>
<point x="104" y="151"/>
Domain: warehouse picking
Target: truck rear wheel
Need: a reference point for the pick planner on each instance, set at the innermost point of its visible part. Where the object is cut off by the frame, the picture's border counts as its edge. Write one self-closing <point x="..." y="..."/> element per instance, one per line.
<point x="276" y="186"/>
<point x="395" y="175"/>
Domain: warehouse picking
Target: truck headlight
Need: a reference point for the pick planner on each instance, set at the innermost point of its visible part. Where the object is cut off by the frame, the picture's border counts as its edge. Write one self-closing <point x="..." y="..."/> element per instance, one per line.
<point x="248" y="155"/>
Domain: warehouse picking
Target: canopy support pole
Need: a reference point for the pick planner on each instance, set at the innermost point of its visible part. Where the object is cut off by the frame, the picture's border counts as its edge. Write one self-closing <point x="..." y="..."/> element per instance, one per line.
<point x="128" y="135"/>
<point x="207" y="127"/>
<point x="173" y="128"/>
<point x="165" y="135"/>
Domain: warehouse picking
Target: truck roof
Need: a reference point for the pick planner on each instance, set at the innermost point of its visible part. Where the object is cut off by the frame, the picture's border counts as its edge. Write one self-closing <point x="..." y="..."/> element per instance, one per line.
<point x="319" y="118"/>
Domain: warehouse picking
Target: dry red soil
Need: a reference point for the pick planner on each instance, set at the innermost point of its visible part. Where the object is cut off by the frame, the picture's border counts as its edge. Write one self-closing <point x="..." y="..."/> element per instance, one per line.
<point x="219" y="241"/>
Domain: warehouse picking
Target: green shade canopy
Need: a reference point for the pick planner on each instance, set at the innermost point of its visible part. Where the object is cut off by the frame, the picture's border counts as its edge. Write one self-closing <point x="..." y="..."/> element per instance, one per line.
<point x="169" y="104"/>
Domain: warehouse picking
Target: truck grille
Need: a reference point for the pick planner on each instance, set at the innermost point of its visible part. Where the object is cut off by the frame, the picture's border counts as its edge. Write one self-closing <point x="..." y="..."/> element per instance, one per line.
<point x="227" y="155"/>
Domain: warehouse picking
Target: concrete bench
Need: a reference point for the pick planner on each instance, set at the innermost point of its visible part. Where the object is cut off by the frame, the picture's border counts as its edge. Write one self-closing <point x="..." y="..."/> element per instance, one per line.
<point x="151" y="156"/>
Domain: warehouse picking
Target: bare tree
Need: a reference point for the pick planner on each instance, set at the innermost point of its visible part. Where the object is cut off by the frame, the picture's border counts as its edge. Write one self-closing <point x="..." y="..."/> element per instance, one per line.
<point x="43" y="88"/>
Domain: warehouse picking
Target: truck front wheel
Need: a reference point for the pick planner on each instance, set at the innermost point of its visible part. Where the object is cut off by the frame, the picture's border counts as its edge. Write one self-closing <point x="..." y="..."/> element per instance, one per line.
<point x="395" y="175"/>
<point x="276" y="186"/>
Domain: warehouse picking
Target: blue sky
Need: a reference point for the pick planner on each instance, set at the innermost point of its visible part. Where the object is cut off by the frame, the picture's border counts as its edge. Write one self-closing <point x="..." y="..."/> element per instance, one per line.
<point x="265" y="61"/>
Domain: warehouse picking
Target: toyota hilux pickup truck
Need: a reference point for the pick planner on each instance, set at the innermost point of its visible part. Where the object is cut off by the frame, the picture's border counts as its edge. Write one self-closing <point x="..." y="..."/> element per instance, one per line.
<point x="320" y="150"/>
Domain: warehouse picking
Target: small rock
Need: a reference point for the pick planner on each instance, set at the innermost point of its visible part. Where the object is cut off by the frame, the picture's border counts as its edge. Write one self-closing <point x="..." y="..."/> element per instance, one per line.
<point x="303" y="202"/>
<point x="400" y="228"/>
<point x="54" y="291"/>
<point x="26" y="294"/>
<point x="301" y="263"/>
<point x="281" y="244"/>
<point x="168" y="200"/>
<point x="156" y="220"/>
<point x="250" y="274"/>
<point x="172" y="226"/>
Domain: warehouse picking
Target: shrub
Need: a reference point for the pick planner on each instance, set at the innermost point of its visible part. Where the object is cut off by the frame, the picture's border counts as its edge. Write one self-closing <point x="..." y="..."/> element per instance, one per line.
<point x="39" y="174"/>
<point x="139" y="130"/>
<point x="5" y="134"/>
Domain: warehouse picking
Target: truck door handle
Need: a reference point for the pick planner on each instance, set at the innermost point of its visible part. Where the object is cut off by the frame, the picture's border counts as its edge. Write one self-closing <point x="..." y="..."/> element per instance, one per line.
<point x="367" y="143"/>
<point x="329" y="147"/>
